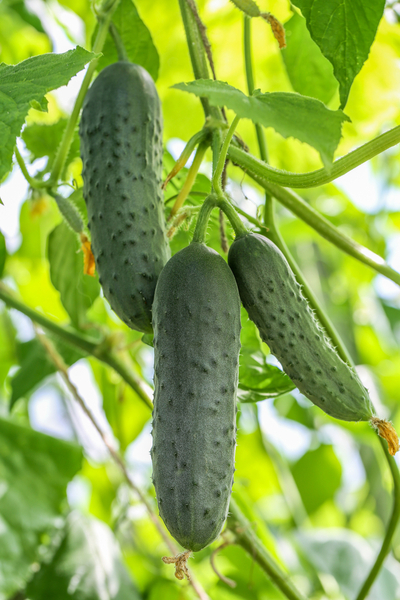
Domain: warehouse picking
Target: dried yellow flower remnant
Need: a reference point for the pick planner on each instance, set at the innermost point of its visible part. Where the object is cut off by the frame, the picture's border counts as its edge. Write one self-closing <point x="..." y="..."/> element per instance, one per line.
<point x="180" y="562"/>
<point x="386" y="430"/>
<point x="89" y="266"/>
<point x="277" y="29"/>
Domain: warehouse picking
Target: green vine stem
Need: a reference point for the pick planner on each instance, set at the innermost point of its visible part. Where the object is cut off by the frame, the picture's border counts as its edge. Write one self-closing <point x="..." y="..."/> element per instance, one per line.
<point x="202" y="220"/>
<point x="309" y="215"/>
<point x="217" y="175"/>
<point x="245" y="537"/>
<point x="197" y="54"/>
<point x="34" y="183"/>
<point x="194" y="141"/>
<point x="391" y="527"/>
<point x="340" y="167"/>
<point x="190" y="179"/>
<point x="104" y="22"/>
<point x="119" y="45"/>
<point x="85" y="343"/>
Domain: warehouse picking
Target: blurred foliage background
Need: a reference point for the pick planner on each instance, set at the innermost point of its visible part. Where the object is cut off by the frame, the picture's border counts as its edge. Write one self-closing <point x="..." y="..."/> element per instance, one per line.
<point x="317" y="490"/>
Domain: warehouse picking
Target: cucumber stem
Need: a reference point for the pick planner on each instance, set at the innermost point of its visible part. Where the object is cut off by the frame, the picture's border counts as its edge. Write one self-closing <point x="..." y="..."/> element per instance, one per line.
<point x="391" y="528"/>
<point x="119" y="45"/>
<point x="216" y="180"/>
<point x="190" y="179"/>
<point x="245" y="537"/>
<point x="202" y="220"/>
<point x="34" y="183"/>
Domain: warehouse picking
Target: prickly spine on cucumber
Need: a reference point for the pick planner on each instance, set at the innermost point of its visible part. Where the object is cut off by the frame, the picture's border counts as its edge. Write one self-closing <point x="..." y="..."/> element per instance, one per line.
<point x="274" y="301"/>
<point x="121" y="149"/>
<point x="196" y="319"/>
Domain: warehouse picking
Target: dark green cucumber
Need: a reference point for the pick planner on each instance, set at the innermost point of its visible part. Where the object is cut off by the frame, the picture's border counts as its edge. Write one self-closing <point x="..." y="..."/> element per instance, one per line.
<point x="196" y="319"/>
<point x="121" y="149"/>
<point x="273" y="300"/>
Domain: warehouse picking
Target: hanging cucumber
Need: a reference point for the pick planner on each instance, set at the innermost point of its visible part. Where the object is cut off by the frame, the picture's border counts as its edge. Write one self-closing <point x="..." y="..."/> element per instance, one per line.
<point x="121" y="149"/>
<point x="273" y="300"/>
<point x="196" y="319"/>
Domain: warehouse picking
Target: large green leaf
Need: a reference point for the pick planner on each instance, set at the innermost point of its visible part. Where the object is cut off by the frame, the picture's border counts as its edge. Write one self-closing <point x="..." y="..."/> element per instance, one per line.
<point x="34" y="472"/>
<point x="310" y="73"/>
<point x="344" y="30"/>
<point x="24" y="86"/>
<point x="258" y="379"/>
<point x="36" y="366"/>
<point x="86" y="566"/>
<point x="348" y="558"/>
<point x="291" y="115"/>
<point x="318" y="476"/>
<point x="136" y="38"/>
<point x="77" y="291"/>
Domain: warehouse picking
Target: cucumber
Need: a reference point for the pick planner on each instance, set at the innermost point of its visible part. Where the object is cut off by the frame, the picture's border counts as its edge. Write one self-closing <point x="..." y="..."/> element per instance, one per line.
<point x="121" y="149"/>
<point x="196" y="318"/>
<point x="273" y="300"/>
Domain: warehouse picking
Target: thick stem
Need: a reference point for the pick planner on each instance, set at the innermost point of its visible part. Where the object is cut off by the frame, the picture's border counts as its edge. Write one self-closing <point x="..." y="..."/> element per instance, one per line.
<point x="202" y="220"/>
<point x="217" y="175"/>
<point x="190" y="179"/>
<point x="391" y="528"/>
<point x="78" y="340"/>
<point x="233" y="217"/>
<point x="245" y="537"/>
<point x="119" y="45"/>
<point x="58" y="165"/>
<point x="320" y="176"/>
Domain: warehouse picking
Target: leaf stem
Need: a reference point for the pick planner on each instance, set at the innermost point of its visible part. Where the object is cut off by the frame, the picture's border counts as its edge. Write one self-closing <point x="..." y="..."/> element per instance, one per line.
<point x="63" y="149"/>
<point x="83" y="342"/>
<point x="34" y="183"/>
<point x="245" y="537"/>
<point x="217" y="175"/>
<point x="190" y="179"/>
<point x="340" y="167"/>
<point x="391" y="528"/>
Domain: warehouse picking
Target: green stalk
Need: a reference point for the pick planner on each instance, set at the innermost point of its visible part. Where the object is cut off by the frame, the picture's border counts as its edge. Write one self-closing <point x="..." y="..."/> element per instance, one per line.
<point x="34" y="183"/>
<point x="340" y="167"/>
<point x="309" y="215"/>
<point x="63" y="149"/>
<point x="202" y="220"/>
<point x="197" y="54"/>
<point x="217" y="175"/>
<point x="391" y="528"/>
<point x="190" y="179"/>
<point x="245" y="537"/>
<point x="86" y="343"/>
<point x="233" y="217"/>
<point x="194" y="141"/>
<point x="119" y="45"/>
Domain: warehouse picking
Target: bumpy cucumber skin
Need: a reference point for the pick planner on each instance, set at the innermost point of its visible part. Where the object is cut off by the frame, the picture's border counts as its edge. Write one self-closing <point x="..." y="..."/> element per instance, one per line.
<point x="121" y="149"/>
<point x="273" y="300"/>
<point x="196" y="318"/>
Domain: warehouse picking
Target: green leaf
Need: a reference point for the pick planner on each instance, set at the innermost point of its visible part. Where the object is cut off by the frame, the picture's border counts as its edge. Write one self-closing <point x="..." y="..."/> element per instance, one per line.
<point x="310" y="73"/>
<point x="135" y="37"/>
<point x="258" y="380"/>
<point x="318" y="476"/>
<point x="26" y="84"/>
<point x="34" y="472"/>
<point x="348" y="558"/>
<point x="77" y="291"/>
<point x="3" y="253"/>
<point x="344" y="30"/>
<point x="291" y="115"/>
<point x="86" y="566"/>
<point x="26" y="15"/>
<point x="36" y="365"/>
